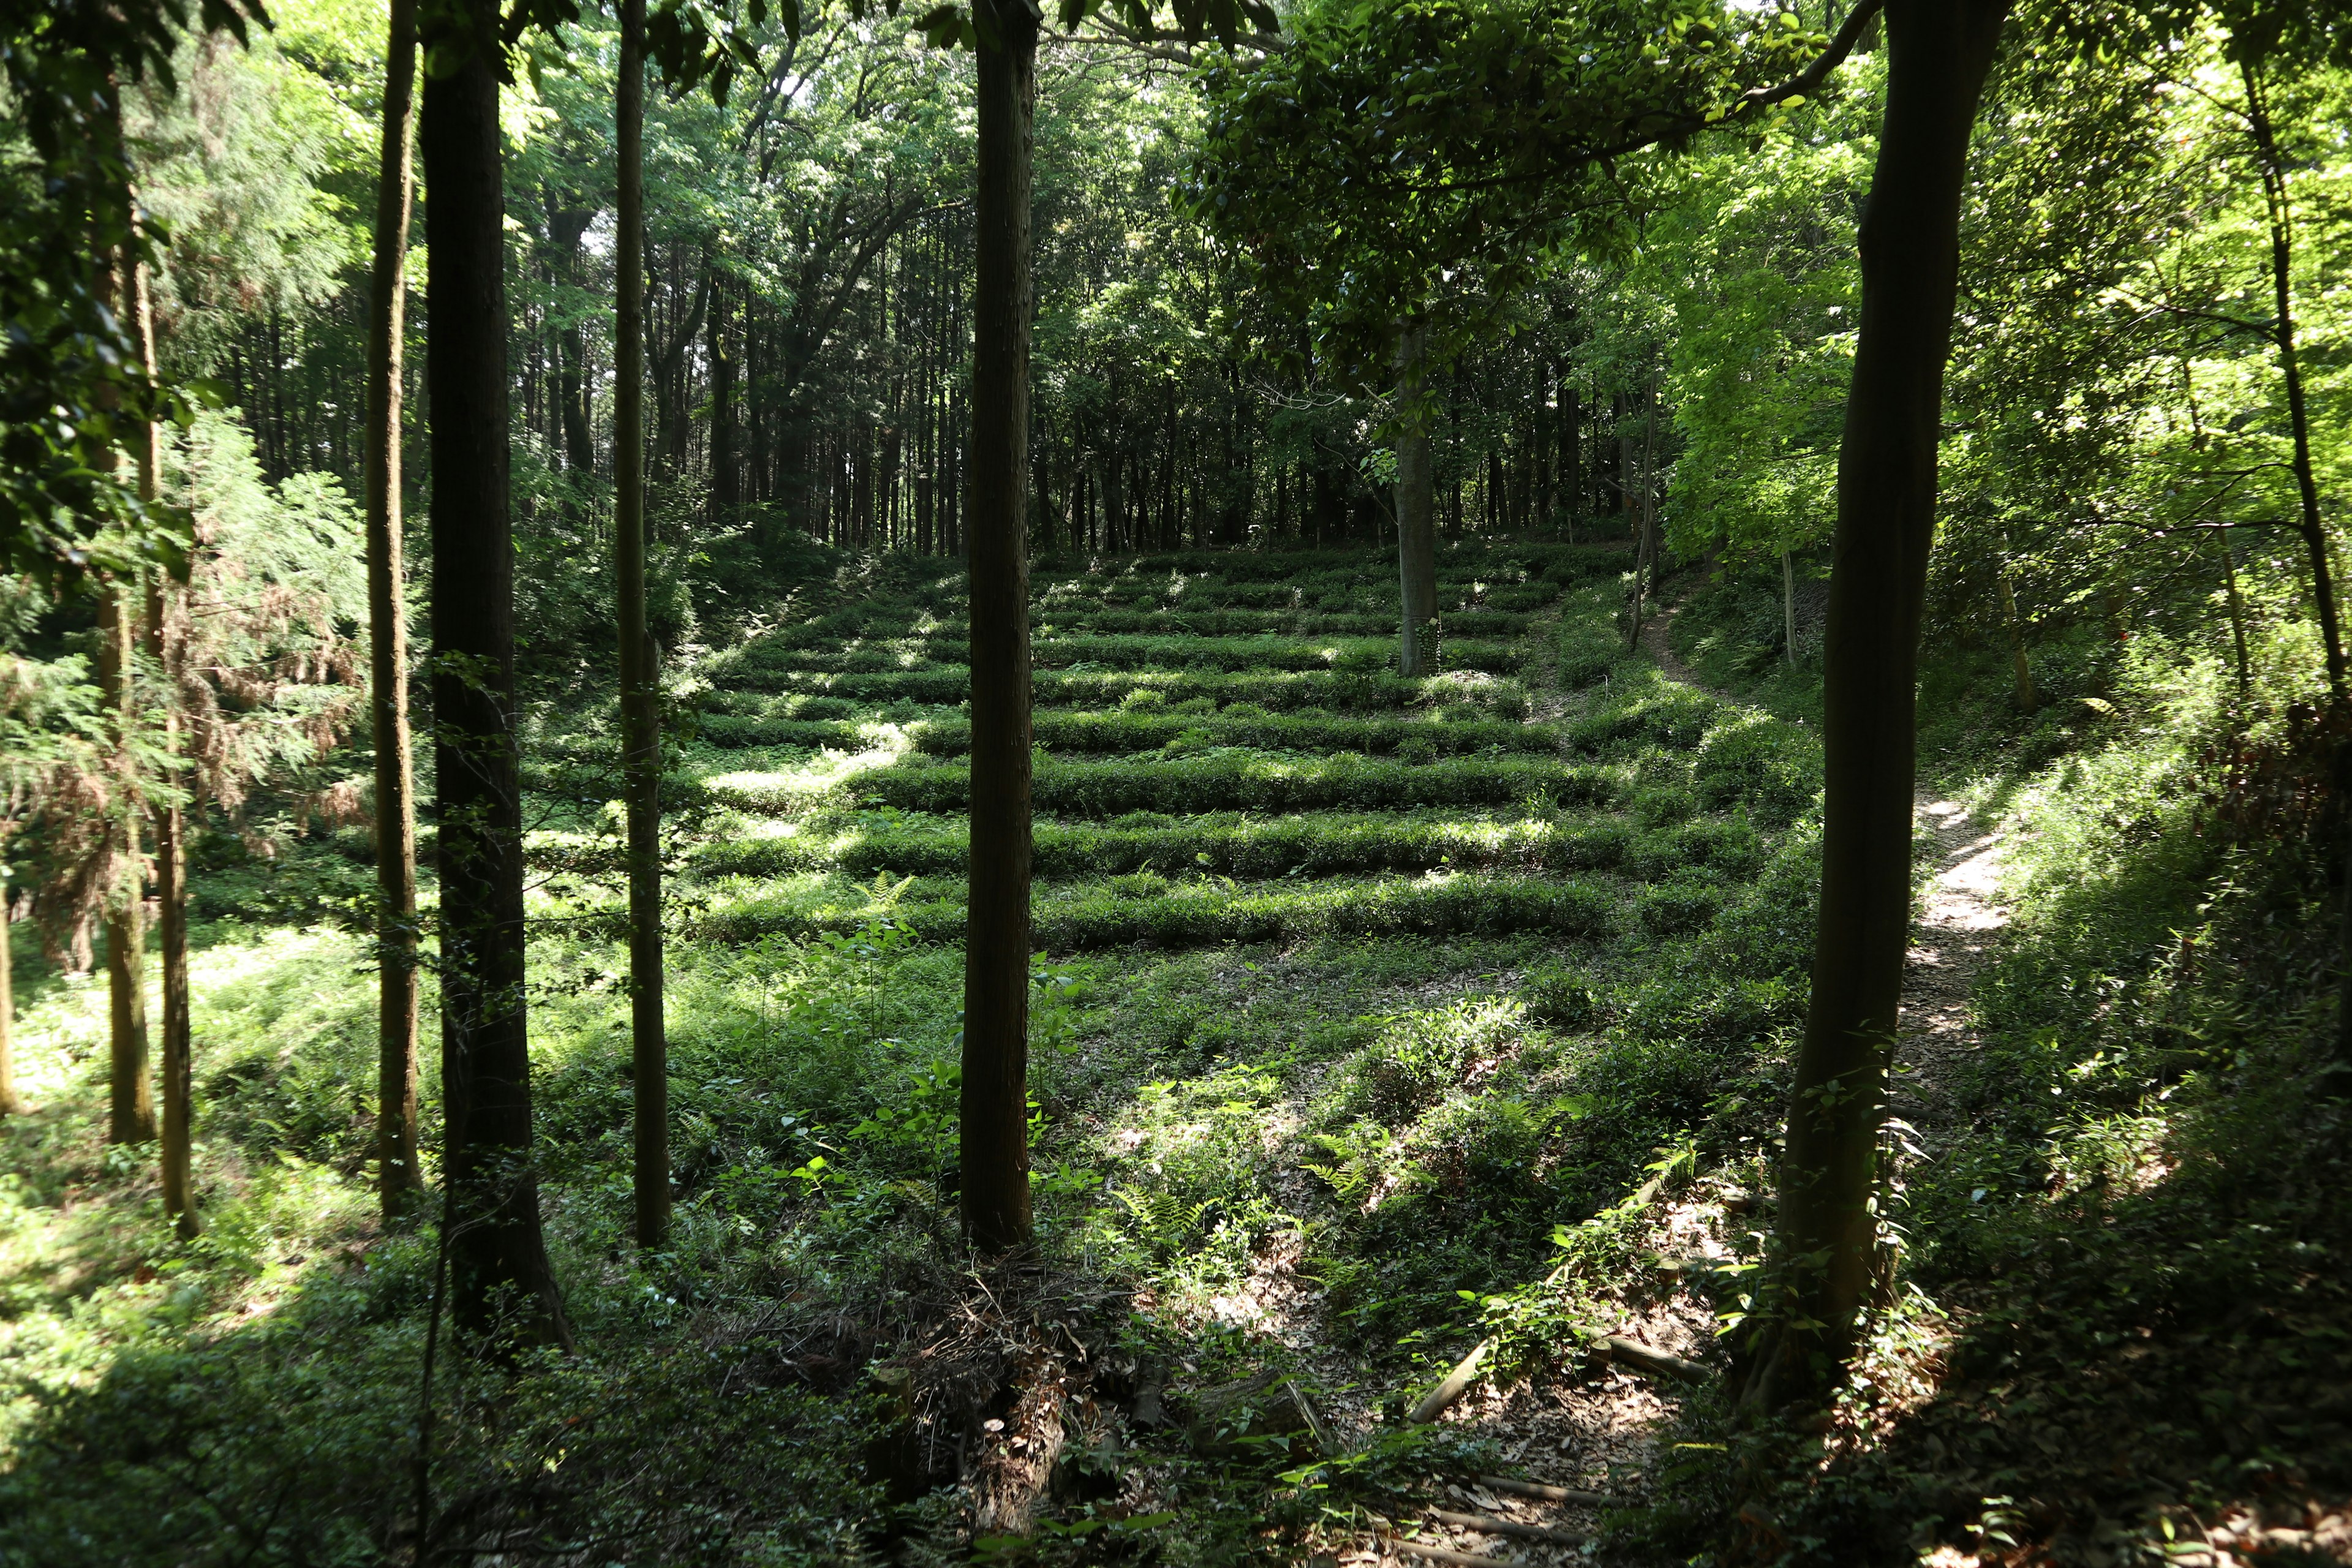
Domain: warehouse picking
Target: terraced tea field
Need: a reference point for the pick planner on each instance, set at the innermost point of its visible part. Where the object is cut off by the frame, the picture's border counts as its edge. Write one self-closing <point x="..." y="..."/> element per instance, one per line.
<point x="1330" y="960"/>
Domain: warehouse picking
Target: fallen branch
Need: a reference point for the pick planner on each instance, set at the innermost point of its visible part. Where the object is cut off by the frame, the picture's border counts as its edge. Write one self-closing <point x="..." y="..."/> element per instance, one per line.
<point x="1494" y="1526"/>
<point x="1638" y="1357"/>
<point x="1447" y="1554"/>
<point x="1455" y="1384"/>
<point x="1540" y="1489"/>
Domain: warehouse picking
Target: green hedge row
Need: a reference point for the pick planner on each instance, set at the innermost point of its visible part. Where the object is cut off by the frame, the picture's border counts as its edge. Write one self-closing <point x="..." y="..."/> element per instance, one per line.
<point x="1194" y="621"/>
<point x="1315" y="846"/>
<point x="1143" y="910"/>
<point x="1114" y="732"/>
<point x="1345" y="690"/>
<point x="1236" y="782"/>
<point x="1171" y="652"/>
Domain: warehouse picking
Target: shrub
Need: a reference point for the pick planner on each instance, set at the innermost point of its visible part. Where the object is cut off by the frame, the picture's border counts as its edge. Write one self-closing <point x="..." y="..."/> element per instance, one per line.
<point x="1772" y="767"/>
<point x="1225" y="781"/>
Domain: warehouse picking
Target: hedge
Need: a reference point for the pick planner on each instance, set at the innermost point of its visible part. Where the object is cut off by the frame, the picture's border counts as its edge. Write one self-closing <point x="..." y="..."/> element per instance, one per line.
<point x="1197" y="913"/>
<point x="1316" y="845"/>
<point x="1230" y="783"/>
<point x="1129" y="732"/>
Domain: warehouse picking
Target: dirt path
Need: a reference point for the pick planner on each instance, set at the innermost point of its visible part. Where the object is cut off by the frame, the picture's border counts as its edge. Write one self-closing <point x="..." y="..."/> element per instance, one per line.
<point x="1601" y="1435"/>
<point x="1959" y="920"/>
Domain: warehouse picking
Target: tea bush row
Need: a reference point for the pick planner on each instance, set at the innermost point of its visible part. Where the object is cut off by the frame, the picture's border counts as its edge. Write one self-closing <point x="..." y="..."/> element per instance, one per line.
<point x="1129" y="732"/>
<point x="1150" y="911"/>
<point x="1318" y="846"/>
<point x="1228" y="782"/>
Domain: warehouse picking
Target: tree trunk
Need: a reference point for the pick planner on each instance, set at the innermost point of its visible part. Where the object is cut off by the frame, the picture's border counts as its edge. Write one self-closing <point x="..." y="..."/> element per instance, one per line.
<point x="726" y="494"/>
<point x="2281" y="235"/>
<point x="1571" y="474"/>
<point x="640" y="719"/>
<point x="1789" y="607"/>
<point x="1644" y="504"/>
<point x="1824" y="1248"/>
<point x="11" y="1102"/>
<point x="2022" y="672"/>
<point x="566" y="227"/>
<point x="164" y="634"/>
<point x="502" y="1289"/>
<point x="994" y="1145"/>
<point x="1416" y="522"/>
<point x="171" y="895"/>
<point x="130" y="1117"/>
<point x="399" y="1178"/>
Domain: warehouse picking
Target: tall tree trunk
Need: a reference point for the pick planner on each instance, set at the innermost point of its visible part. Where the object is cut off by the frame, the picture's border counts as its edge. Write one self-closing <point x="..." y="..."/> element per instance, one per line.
<point x="640" y="721"/>
<point x="166" y="630"/>
<point x="2020" y="671"/>
<point x="726" y="493"/>
<point x="2280" y="214"/>
<point x="1824" y="1248"/>
<point x="1789" y="607"/>
<point x="11" y="1102"/>
<point x="130" y="1109"/>
<point x="399" y="1178"/>
<point x="1416" y="522"/>
<point x="502" y="1289"/>
<point x="566" y="226"/>
<point x="994" y="1143"/>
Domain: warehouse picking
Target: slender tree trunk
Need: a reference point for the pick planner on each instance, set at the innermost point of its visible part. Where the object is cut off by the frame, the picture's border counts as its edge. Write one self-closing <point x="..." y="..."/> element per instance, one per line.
<point x="130" y="1117"/>
<point x="1571" y="472"/>
<point x="2022" y="672"/>
<point x="165" y="632"/>
<point x="1416" y="503"/>
<point x="1789" y="607"/>
<point x="502" y="1288"/>
<point x="11" y="1102"/>
<point x="131" y="1111"/>
<point x="994" y="1145"/>
<point x="2237" y="610"/>
<point x="399" y="1178"/>
<point x="1824" y="1251"/>
<point x="726" y="495"/>
<point x="640" y="719"/>
<point x="1646" y="563"/>
<point x="2281" y="234"/>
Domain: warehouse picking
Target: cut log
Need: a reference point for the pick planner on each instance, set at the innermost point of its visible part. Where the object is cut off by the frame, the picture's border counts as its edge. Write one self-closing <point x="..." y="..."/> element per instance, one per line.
<point x="1541" y="1489"/>
<point x="1495" y="1526"/>
<point x="1447" y="1554"/>
<point x="1455" y="1384"/>
<point x="1638" y="1357"/>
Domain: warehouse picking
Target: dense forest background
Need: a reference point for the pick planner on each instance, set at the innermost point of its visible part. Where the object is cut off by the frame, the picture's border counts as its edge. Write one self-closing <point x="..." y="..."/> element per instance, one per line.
<point x="1376" y="1016"/>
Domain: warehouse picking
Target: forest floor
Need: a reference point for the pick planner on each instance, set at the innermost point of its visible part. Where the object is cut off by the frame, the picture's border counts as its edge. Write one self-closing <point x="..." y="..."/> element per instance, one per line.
<point x="1374" y="1019"/>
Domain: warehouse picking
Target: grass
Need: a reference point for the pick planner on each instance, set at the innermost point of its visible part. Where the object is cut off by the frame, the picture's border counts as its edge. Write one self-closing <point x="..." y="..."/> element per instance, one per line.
<point x="1343" y="976"/>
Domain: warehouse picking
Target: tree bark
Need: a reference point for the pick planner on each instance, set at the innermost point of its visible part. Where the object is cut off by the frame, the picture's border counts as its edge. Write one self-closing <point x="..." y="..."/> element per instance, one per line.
<point x="726" y="493"/>
<point x="640" y="719"/>
<point x="130" y="1109"/>
<point x="1789" y="607"/>
<point x="2021" y="671"/>
<point x="1416" y="503"/>
<point x="994" y="1139"/>
<point x="566" y="226"/>
<point x="399" y="1178"/>
<point x="503" y="1291"/>
<point x="2280" y="214"/>
<point x="166" y="630"/>
<point x="11" y="1102"/>
<point x="1823" y="1254"/>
